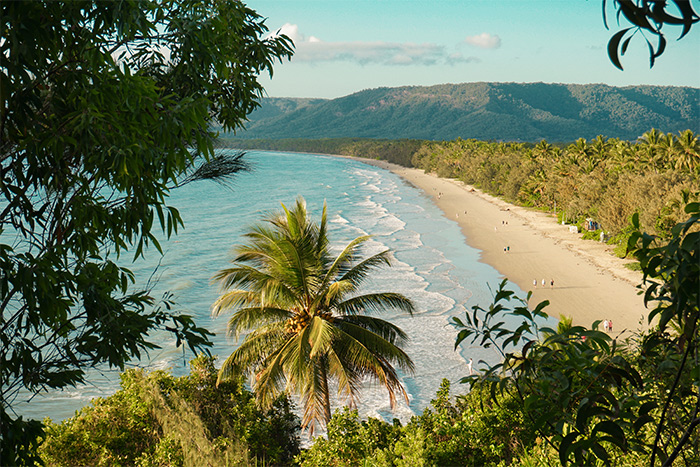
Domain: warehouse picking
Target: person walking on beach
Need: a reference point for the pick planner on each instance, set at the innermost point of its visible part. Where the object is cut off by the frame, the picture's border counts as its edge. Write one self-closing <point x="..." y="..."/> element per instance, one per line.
<point x="551" y="284"/>
<point x="610" y="325"/>
<point x="606" y="325"/>
<point x="534" y="283"/>
<point x="544" y="282"/>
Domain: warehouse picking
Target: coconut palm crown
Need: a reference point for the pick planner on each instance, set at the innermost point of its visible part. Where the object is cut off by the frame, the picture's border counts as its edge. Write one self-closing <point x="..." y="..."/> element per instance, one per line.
<point x="305" y="320"/>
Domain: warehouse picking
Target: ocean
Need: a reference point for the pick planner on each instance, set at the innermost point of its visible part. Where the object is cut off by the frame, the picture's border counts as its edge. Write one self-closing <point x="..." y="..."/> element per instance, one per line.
<point x="433" y="266"/>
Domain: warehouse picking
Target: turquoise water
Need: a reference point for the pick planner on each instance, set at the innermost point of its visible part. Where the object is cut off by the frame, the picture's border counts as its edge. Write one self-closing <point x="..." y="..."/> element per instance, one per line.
<point x="433" y="266"/>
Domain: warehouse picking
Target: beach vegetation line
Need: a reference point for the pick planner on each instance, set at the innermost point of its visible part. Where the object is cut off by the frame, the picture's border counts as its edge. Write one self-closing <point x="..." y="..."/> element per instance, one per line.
<point x="605" y="180"/>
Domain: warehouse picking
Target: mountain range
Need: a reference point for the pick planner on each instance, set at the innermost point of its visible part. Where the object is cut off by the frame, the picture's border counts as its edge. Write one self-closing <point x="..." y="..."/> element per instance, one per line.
<point x="527" y="112"/>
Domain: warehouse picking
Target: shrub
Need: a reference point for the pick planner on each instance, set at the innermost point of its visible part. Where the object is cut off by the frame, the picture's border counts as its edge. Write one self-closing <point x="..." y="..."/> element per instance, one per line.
<point x="157" y="419"/>
<point x="472" y="430"/>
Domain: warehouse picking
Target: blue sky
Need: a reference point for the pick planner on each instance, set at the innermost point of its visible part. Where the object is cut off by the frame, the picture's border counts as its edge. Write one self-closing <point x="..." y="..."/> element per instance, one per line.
<point x="344" y="46"/>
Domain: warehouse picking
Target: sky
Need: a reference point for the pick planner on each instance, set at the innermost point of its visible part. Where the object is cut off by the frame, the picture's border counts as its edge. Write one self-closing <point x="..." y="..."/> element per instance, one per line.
<point x="345" y="46"/>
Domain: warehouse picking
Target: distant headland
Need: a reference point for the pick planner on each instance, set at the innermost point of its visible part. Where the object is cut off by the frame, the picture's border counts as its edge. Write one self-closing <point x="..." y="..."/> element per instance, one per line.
<point x="520" y="112"/>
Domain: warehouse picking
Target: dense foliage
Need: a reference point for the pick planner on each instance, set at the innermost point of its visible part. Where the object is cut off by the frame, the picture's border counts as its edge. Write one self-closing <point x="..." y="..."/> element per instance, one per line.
<point x="469" y="430"/>
<point x="522" y="112"/>
<point x="307" y="321"/>
<point x="607" y="180"/>
<point x="157" y="419"/>
<point x="104" y="108"/>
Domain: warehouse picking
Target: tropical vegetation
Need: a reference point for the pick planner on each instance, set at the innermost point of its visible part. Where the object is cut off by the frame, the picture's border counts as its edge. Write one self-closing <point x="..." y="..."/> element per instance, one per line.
<point x="105" y="107"/>
<point x="607" y="180"/>
<point x="307" y="321"/>
<point x="569" y="395"/>
<point x="469" y="429"/>
<point x="156" y="419"/>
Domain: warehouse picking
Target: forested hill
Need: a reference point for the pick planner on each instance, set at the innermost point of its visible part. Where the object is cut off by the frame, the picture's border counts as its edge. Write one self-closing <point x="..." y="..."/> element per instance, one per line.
<point x="484" y="111"/>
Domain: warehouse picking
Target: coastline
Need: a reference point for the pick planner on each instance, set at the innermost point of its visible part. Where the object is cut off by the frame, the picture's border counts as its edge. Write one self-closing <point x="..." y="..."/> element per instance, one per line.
<point x="590" y="283"/>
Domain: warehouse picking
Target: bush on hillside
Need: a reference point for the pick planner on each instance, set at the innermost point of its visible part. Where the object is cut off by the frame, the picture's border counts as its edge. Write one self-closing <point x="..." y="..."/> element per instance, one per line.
<point x="466" y="430"/>
<point x="157" y="419"/>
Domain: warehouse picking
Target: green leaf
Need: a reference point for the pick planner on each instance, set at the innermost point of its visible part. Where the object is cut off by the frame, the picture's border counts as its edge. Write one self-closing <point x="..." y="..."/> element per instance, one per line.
<point x="613" y="46"/>
<point x="692" y="208"/>
<point x="617" y="434"/>
<point x="565" y="447"/>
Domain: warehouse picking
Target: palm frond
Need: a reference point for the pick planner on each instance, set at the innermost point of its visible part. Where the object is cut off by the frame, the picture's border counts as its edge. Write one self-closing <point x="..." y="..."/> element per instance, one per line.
<point x="298" y="356"/>
<point x="298" y="272"/>
<point x="321" y="246"/>
<point x="252" y="352"/>
<point x="295" y="220"/>
<point x="385" y="329"/>
<point x="375" y="303"/>
<point x="365" y="353"/>
<point x="251" y="318"/>
<point x="320" y="334"/>
<point x="272" y="290"/>
<point x="340" y="265"/>
<point x="220" y="168"/>
<point x="264" y="249"/>
<point x="241" y="276"/>
<point x="302" y="373"/>
<point x="364" y="348"/>
<point x="275" y="370"/>
<point x="232" y="300"/>
<point x="314" y="395"/>
<point x="348" y="379"/>
<point x="358" y="272"/>
<point x="332" y="294"/>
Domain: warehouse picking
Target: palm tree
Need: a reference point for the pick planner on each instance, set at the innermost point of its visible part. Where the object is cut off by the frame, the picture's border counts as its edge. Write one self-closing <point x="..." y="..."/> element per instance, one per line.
<point x="543" y="152"/>
<point x="651" y="149"/>
<point x="535" y="188"/>
<point x="307" y="323"/>
<point x="668" y="151"/>
<point x="688" y="148"/>
<point x="620" y="157"/>
<point x="579" y="150"/>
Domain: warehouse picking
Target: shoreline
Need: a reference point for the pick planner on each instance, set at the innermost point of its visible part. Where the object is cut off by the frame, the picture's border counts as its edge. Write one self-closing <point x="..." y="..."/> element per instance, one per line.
<point x="523" y="245"/>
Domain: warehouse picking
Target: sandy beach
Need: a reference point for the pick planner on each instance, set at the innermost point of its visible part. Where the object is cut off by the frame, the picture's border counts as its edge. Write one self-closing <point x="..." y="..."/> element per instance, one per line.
<point x="529" y="246"/>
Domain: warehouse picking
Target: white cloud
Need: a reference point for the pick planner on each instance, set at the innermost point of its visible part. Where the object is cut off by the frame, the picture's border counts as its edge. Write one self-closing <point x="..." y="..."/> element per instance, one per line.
<point x="312" y="49"/>
<point x="484" y="41"/>
<point x="457" y="57"/>
<point x="387" y="53"/>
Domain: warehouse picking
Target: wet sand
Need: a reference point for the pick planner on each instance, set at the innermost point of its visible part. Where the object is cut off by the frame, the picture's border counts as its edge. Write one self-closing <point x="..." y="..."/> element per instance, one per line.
<point x="589" y="282"/>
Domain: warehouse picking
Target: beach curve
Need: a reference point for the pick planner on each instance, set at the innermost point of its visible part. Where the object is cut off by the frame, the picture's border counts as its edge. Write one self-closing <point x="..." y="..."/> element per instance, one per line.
<point x="529" y="247"/>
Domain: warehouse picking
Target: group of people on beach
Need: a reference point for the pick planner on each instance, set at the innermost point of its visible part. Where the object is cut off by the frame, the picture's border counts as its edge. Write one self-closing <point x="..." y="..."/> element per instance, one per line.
<point x="607" y="325"/>
<point x="544" y="283"/>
